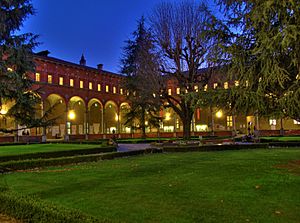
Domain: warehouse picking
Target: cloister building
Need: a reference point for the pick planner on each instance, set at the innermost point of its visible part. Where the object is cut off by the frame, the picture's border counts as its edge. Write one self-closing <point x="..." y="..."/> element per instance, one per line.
<point x="90" y="103"/>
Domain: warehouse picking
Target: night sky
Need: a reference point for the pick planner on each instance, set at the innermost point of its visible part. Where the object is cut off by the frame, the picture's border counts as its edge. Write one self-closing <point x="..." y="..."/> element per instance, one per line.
<point x="96" y="28"/>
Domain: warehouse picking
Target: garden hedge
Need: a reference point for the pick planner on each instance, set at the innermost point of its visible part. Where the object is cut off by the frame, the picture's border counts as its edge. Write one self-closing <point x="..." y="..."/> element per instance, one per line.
<point x="55" y="154"/>
<point x="32" y="209"/>
<point x="190" y="148"/>
<point x="38" y="163"/>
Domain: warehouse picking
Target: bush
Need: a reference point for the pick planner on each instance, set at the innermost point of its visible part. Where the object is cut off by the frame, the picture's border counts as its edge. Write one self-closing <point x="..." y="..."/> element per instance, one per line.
<point x="55" y="154"/>
<point x="190" y="148"/>
<point x="38" y="163"/>
<point x="31" y="209"/>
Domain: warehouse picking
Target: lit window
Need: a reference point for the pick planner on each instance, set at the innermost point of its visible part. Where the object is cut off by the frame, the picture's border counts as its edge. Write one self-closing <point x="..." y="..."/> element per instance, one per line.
<point x="247" y="83"/>
<point x="9" y="69"/>
<point x="178" y="90"/>
<point x="71" y="83"/>
<point x="90" y="85"/>
<point x="226" y="85"/>
<point x="50" y="79"/>
<point x="196" y="88"/>
<point x="229" y="121"/>
<point x="296" y="122"/>
<point x="114" y="90"/>
<point x="215" y="85"/>
<point x="61" y="81"/>
<point x="272" y="121"/>
<point x="169" y="91"/>
<point x="99" y="87"/>
<point x="205" y="87"/>
<point x="107" y="88"/>
<point x="236" y="83"/>
<point x="121" y="91"/>
<point x="38" y="77"/>
<point x="81" y="84"/>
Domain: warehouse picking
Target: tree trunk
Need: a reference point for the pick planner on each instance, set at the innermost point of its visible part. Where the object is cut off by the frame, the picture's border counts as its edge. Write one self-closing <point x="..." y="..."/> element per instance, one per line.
<point x="186" y="121"/>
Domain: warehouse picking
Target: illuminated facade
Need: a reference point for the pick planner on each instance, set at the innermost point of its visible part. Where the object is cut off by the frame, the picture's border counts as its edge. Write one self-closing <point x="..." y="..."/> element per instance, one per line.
<point x="89" y="103"/>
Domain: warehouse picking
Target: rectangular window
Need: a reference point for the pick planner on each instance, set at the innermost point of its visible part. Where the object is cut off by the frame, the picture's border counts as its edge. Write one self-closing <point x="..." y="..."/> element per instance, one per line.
<point x="71" y="82"/>
<point x="121" y="91"/>
<point x="81" y="84"/>
<point x="236" y="83"/>
<point x="169" y="91"/>
<point x="296" y="122"/>
<point x="178" y="90"/>
<point x="114" y="90"/>
<point x="49" y="79"/>
<point x="99" y="87"/>
<point x="215" y="85"/>
<point x="229" y="121"/>
<point x="37" y="77"/>
<point x="272" y="121"/>
<point x="226" y="85"/>
<point x="196" y="88"/>
<point x="205" y="87"/>
<point x="61" y="81"/>
<point x="90" y="85"/>
<point x="106" y="88"/>
<point x="247" y="83"/>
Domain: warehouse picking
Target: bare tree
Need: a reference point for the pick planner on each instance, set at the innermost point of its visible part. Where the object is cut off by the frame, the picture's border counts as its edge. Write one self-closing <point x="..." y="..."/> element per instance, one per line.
<point x="187" y="36"/>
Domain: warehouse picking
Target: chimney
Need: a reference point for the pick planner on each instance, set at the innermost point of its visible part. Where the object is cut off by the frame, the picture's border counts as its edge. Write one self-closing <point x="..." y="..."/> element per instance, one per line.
<point x="100" y="66"/>
<point x="82" y="61"/>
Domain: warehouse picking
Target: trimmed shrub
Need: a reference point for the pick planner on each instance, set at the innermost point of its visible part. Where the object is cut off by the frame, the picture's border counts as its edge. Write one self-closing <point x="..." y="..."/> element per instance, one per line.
<point x="55" y="154"/>
<point x="31" y="209"/>
<point x="190" y="148"/>
<point x="38" y="163"/>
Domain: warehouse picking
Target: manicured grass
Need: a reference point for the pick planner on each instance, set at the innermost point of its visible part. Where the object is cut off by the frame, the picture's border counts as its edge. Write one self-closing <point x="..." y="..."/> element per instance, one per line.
<point x="282" y="138"/>
<point x="40" y="148"/>
<point x="227" y="186"/>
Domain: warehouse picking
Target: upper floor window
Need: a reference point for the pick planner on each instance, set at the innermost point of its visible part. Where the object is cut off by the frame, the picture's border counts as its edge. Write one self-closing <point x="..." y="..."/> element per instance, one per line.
<point x="61" y="81"/>
<point x="121" y="91"/>
<point x="71" y="82"/>
<point x="215" y="85"/>
<point x="272" y="121"/>
<point x="114" y="90"/>
<point x="236" y="83"/>
<point x="205" y="87"/>
<point x="106" y="88"/>
<point x="226" y="85"/>
<point x="37" y="77"/>
<point x="81" y="84"/>
<point x="90" y="85"/>
<point x="229" y="121"/>
<point x="99" y="87"/>
<point x="169" y="91"/>
<point x="178" y="90"/>
<point x="196" y="88"/>
<point x="49" y="79"/>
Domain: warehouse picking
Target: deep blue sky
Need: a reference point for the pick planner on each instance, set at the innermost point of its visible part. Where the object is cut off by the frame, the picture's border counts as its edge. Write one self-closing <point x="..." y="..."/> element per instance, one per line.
<point x="97" y="28"/>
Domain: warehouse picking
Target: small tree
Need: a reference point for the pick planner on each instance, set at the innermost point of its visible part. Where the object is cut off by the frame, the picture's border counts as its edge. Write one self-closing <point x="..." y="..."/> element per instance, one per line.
<point x="140" y="64"/>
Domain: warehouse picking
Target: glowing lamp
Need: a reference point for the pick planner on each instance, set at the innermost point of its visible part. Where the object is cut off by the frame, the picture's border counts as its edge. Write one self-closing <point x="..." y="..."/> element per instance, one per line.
<point x="219" y="114"/>
<point x="71" y="115"/>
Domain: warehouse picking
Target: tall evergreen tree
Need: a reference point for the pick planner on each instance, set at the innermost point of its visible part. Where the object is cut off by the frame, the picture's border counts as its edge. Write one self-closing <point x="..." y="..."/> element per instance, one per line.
<point x="140" y="65"/>
<point x="16" y="62"/>
<point x="265" y="56"/>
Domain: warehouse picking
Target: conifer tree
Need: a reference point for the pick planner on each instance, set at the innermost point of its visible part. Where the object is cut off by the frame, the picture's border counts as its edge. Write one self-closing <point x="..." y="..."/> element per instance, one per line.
<point x="16" y="62"/>
<point x="140" y="65"/>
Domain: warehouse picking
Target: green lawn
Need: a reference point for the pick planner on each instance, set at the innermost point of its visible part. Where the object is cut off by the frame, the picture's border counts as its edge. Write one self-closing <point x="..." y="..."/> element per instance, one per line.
<point x="228" y="186"/>
<point x="40" y="148"/>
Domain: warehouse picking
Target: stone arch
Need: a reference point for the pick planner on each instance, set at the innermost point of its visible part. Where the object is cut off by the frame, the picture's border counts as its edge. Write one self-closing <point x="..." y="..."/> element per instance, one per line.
<point x="124" y="109"/>
<point x="54" y="108"/>
<point x="111" y="117"/>
<point x="76" y="116"/>
<point x="95" y="116"/>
